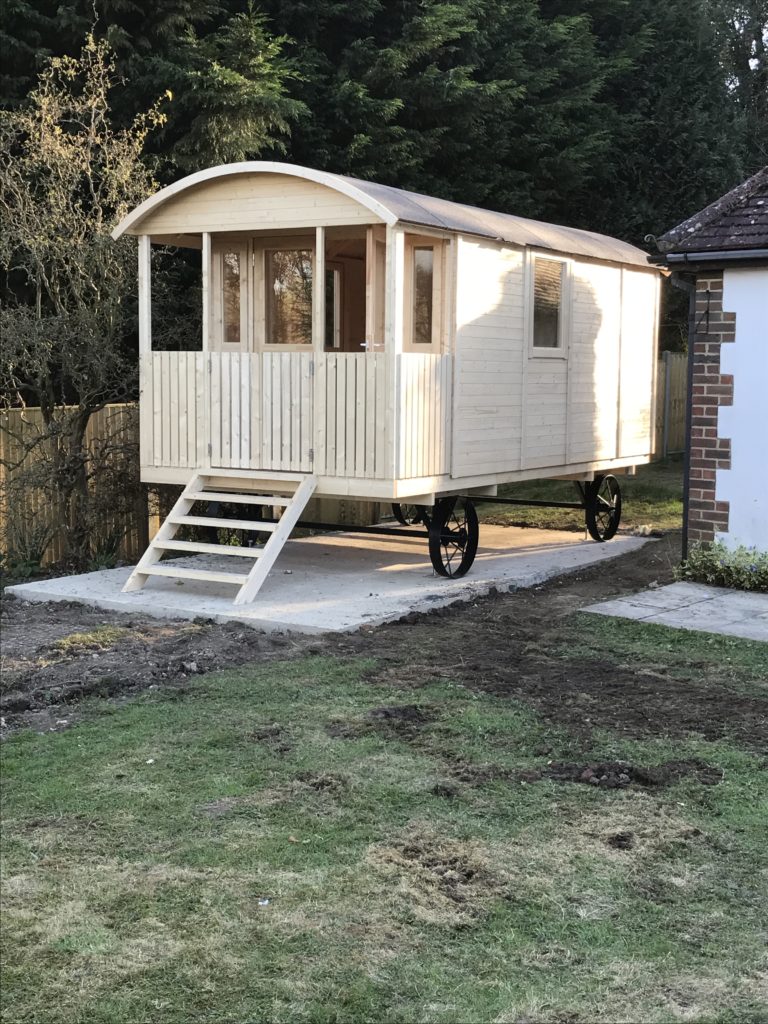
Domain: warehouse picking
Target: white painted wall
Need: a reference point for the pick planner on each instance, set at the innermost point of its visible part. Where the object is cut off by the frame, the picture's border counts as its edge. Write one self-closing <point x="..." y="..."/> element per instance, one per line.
<point x="745" y="484"/>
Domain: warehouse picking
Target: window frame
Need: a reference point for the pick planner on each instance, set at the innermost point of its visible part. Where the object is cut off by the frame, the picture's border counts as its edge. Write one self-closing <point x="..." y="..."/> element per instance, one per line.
<point x="220" y="248"/>
<point x="438" y="247"/>
<point x="564" y="318"/>
<point x="289" y="246"/>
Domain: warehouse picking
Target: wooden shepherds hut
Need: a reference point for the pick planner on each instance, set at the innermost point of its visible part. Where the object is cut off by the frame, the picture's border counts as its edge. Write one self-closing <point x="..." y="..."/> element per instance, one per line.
<point x="365" y="342"/>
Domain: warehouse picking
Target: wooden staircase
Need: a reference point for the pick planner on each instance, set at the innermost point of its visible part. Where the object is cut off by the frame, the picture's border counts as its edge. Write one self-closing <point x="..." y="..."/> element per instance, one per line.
<point x="289" y="491"/>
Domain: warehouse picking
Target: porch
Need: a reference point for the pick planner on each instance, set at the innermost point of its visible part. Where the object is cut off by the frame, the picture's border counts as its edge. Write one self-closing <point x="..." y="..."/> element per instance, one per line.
<point x="359" y="416"/>
<point x="351" y="381"/>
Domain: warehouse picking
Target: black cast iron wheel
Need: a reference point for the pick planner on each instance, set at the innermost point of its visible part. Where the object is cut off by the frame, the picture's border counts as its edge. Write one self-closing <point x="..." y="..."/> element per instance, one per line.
<point x="603" y="507"/>
<point x="453" y="536"/>
<point x="407" y="515"/>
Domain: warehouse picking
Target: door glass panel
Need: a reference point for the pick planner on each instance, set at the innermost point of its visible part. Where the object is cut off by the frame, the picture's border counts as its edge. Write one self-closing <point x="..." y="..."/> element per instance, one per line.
<point x="332" y="307"/>
<point x="231" y="297"/>
<point x="423" y="272"/>
<point x="289" y="297"/>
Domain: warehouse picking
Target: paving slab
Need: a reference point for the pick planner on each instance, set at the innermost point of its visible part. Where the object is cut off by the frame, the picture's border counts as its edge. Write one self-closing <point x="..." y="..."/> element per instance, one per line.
<point x="695" y="606"/>
<point x="340" y="582"/>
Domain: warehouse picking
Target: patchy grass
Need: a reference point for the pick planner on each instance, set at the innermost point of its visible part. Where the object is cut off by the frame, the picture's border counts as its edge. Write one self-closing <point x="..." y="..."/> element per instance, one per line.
<point x="294" y="842"/>
<point x="99" y="639"/>
<point x="653" y="498"/>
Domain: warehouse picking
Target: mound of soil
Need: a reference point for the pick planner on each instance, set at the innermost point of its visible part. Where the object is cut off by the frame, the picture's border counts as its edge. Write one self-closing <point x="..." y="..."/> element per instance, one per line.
<point x="620" y="774"/>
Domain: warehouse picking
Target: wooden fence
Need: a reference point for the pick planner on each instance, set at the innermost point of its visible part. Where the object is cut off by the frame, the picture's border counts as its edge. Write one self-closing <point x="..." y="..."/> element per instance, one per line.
<point x="672" y="387"/>
<point x="27" y="520"/>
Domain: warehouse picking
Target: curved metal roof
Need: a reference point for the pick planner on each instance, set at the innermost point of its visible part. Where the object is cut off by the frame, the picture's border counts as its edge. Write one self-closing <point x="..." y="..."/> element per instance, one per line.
<point x="392" y="205"/>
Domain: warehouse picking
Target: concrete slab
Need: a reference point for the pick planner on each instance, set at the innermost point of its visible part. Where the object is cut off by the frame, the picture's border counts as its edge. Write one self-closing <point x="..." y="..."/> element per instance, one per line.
<point x="340" y="582"/>
<point x="695" y="606"/>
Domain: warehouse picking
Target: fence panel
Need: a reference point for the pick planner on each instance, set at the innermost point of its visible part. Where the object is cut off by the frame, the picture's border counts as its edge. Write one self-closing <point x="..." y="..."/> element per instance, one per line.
<point x="672" y="387"/>
<point x="29" y="514"/>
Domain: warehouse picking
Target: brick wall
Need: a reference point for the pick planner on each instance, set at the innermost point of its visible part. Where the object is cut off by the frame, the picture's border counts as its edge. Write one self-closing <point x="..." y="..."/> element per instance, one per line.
<point x="711" y="389"/>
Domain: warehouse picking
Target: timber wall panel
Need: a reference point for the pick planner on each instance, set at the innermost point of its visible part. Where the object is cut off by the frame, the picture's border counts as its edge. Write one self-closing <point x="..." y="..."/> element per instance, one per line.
<point x="638" y="362"/>
<point x="593" y="378"/>
<point x="254" y="202"/>
<point x="424" y="384"/>
<point x="488" y="372"/>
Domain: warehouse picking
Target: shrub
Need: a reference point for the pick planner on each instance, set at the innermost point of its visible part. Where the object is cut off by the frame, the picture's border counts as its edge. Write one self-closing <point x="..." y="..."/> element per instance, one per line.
<point x="742" y="568"/>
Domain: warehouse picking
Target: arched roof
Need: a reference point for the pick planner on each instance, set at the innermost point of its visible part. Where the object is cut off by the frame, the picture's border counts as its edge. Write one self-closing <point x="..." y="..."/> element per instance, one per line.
<point x="392" y="205"/>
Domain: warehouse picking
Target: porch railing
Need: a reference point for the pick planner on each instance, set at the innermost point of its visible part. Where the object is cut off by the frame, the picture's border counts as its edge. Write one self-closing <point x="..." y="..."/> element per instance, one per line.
<point x="356" y="415"/>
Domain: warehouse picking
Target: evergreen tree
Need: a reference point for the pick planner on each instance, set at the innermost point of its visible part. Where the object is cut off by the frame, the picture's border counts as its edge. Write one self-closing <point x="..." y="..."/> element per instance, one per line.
<point x="222" y="66"/>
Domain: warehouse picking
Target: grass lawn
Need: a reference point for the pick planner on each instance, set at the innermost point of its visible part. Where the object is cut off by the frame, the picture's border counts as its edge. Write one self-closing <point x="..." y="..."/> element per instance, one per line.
<point x="316" y="840"/>
<point x="654" y="497"/>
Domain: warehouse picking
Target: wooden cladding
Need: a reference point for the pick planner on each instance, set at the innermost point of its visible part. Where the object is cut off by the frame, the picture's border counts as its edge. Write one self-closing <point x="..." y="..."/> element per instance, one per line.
<point x="425" y="396"/>
<point x="352" y="436"/>
<point x="291" y="411"/>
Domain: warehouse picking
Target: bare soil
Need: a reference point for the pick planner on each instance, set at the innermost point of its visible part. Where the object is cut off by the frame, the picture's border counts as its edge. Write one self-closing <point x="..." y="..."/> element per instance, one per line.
<point x="507" y="644"/>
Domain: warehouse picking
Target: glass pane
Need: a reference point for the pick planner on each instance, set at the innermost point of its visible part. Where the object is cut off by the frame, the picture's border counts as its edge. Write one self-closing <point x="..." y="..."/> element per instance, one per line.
<point x="289" y="297"/>
<point x="332" y="308"/>
<point x="423" y="263"/>
<point x="231" y="303"/>
<point x="547" y="296"/>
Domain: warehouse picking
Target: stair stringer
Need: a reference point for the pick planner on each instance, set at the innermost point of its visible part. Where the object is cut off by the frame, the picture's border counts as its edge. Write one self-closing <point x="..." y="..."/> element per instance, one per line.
<point x="277" y="540"/>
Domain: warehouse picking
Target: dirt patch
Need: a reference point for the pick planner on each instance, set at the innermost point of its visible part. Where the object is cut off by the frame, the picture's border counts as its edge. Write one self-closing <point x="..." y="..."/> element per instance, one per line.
<point x="621" y="774"/>
<point x="55" y="655"/>
<point x="403" y="720"/>
<point x="323" y="782"/>
<point x="510" y="645"/>
<point x="444" y="881"/>
<point x="621" y="840"/>
<point x="273" y="736"/>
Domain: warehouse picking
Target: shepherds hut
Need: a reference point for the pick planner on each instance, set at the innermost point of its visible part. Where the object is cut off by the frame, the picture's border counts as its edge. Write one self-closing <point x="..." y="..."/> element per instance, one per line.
<point x="361" y="341"/>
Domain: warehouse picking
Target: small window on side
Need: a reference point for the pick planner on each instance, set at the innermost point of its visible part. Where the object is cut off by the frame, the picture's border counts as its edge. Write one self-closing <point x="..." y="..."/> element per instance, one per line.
<point x="231" y="297"/>
<point x="423" y="279"/>
<point x="547" y="302"/>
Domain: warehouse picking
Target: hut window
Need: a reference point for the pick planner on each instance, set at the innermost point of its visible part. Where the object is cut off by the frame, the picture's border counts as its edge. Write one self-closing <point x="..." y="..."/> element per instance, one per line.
<point x="547" y="302"/>
<point x="423" y="279"/>
<point x="289" y="297"/>
<point x="231" y="297"/>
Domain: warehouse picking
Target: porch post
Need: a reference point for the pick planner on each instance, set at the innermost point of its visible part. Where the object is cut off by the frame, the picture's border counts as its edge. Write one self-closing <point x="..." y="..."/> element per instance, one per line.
<point x="394" y="326"/>
<point x="318" y="367"/>
<point x="318" y="294"/>
<point x="145" y="294"/>
<point x="207" y="277"/>
<point x="394" y="322"/>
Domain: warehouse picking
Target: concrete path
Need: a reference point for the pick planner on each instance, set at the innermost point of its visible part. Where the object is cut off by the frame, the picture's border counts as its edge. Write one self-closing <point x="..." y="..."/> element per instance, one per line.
<point x="343" y="581"/>
<point x="695" y="606"/>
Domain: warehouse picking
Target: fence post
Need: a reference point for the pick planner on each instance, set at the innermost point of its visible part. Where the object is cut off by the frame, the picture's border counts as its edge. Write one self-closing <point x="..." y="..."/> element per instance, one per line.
<point x="667" y="400"/>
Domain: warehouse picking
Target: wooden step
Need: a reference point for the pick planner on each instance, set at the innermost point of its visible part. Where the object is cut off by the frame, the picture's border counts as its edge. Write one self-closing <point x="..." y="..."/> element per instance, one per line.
<point x="195" y="547"/>
<point x="224" y="524"/>
<point x="182" y="573"/>
<point x="258" y="476"/>
<point x="239" y="498"/>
